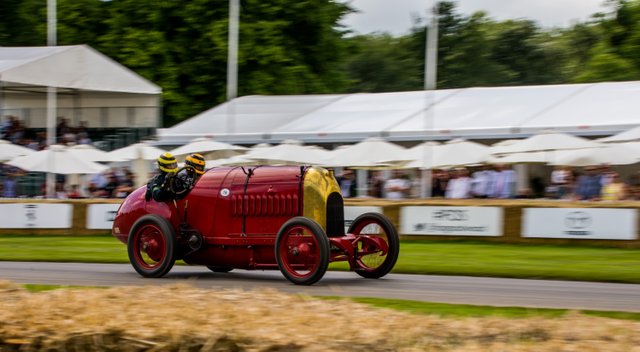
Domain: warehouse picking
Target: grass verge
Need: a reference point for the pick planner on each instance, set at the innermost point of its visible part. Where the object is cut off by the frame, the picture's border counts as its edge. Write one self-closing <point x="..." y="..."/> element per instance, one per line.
<point x="559" y="262"/>
<point x="467" y="310"/>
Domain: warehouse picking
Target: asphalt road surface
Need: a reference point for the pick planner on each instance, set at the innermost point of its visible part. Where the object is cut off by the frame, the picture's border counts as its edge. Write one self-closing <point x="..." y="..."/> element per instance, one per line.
<point x="428" y="288"/>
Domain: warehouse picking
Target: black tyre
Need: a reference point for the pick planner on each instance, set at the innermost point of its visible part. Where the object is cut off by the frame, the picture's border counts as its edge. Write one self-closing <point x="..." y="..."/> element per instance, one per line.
<point x="151" y="246"/>
<point x="372" y="260"/>
<point x="302" y="251"/>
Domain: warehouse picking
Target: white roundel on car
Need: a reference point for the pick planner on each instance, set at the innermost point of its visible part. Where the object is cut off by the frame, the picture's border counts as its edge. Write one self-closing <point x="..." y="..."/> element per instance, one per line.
<point x="225" y="192"/>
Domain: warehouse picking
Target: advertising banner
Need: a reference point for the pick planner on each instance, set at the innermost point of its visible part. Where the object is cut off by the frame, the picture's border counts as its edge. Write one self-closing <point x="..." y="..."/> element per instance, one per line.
<point x="458" y="221"/>
<point x="36" y="216"/>
<point x="583" y="223"/>
<point x="100" y="216"/>
<point x="352" y="212"/>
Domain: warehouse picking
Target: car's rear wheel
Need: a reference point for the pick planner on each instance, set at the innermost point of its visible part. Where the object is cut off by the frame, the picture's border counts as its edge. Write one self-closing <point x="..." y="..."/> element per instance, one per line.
<point x="151" y="246"/>
<point x="377" y="251"/>
<point x="219" y="269"/>
<point x="302" y="251"/>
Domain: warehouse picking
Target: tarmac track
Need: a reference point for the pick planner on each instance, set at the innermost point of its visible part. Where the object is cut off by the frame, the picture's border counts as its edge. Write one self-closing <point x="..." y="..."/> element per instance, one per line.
<point x="428" y="288"/>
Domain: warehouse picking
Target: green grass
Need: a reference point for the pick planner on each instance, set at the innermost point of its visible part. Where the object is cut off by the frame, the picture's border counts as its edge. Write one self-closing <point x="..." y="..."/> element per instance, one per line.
<point x="467" y="310"/>
<point x="87" y="249"/>
<point x="472" y="258"/>
<point x="455" y="310"/>
<point x="42" y="288"/>
<point x="521" y="260"/>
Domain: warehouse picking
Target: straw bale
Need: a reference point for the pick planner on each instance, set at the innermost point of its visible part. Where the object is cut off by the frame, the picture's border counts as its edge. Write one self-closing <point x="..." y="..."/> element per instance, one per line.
<point x="184" y="318"/>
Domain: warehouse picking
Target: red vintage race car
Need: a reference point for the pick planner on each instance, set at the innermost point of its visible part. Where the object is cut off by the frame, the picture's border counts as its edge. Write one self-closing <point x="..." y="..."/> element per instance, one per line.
<point x="257" y="218"/>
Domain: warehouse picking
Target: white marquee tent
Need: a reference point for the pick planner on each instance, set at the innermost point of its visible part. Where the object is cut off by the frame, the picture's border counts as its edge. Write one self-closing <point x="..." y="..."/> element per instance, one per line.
<point x="91" y="87"/>
<point x="471" y="113"/>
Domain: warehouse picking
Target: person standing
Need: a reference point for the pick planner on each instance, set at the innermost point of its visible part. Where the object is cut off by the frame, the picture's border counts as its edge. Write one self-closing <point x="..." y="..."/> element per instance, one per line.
<point x="347" y="183"/>
<point x="589" y="185"/>
<point x="615" y="189"/>
<point x="398" y="186"/>
<point x="439" y="182"/>
<point x="559" y="179"/>
<point x="480" y="183"/>
<point x="9" y="186"/>
<point x="460" y="186"/>
<point x="376" y="184"/>
<point x="504" y="184"/>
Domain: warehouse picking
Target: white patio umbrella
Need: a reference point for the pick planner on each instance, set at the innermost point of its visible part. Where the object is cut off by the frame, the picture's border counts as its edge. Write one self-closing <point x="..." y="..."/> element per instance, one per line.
<point x="236" y="160"/>
<point x="626" y="136"/>
<point x="289" y="153"/>
<point x="142" y="150"/>
<point x="612" y="154"/>
<point x="498" y="147"/>
<point x="140" y="156"/>
<point x="210" y="148"/>
<point x="57" y="159"/>
<point x="549" y="141"/>
<point x="524" y="158"/>
<point x="372" y="153"/>
<point x="457" y="152"/>
<point x="9" y="150"/>
<point x="89" y="152"/>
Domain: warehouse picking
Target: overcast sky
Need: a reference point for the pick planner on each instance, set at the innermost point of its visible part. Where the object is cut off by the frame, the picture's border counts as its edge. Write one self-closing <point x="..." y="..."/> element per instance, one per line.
<point x="396" y="16"/>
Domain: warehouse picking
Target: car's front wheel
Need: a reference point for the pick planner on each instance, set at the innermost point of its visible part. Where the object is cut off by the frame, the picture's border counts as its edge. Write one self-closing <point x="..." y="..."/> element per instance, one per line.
<point x="302" y="251"/>
<point x="151" y="246"/>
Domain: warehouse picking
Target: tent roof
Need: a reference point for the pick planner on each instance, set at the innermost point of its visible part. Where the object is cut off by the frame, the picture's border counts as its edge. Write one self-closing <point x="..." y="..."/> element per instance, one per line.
<point x="76" y="67"/>
<point x="499" y="112"/>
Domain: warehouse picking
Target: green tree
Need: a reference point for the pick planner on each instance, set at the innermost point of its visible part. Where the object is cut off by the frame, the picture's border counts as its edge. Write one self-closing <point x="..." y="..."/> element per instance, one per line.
<point x="23" y="22"/>
<point x="286" y="47"/>
<point x="469" y="62"/>
<point x="607" y="66"/>
<point x="382" y="63"/>
<point x="614" y="41"/>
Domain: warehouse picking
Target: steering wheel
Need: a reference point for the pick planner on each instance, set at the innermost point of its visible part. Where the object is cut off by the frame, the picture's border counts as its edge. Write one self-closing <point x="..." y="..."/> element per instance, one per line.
<point x="181" y="185"/>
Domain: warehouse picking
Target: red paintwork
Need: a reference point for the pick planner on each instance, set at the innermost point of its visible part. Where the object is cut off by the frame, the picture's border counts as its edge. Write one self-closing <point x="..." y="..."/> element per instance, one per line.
<point x="214" y="209"/>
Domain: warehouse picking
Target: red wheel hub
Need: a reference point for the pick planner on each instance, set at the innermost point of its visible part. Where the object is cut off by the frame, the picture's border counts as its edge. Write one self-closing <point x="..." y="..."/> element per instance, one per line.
<point x="149" y="246"/>
<point x="300" y="252"/>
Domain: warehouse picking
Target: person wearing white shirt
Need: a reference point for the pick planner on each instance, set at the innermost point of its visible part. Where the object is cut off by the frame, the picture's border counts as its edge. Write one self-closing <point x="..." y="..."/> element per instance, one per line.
<point x="505" y="181"/>
<point x="397" y="187"/>
<point x="460" y="186"/>
<point x="480" y="183"/>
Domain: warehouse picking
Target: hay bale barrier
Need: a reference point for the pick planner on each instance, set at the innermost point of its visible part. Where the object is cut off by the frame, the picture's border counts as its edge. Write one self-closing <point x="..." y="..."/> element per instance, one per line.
<point x="184" y="318"/>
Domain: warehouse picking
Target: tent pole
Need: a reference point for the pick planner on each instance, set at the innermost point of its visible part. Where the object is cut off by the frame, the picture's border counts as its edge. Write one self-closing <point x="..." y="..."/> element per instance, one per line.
<point x="1" y="97"/>
<point x="52" y="105"/>
<point x="232" y="62"/>
<point x="430" y="74"/>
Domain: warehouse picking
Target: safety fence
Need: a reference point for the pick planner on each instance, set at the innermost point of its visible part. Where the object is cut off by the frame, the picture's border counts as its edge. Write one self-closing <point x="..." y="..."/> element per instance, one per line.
<point x="513" y="221"/>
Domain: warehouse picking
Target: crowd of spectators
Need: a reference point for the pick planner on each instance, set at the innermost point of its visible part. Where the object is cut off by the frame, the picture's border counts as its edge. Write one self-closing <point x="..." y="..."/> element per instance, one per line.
<point x="113" y="183"/>
<point x="14" y="130"/>
<point x="485" y="181"/>
<point x="590" y="183"/>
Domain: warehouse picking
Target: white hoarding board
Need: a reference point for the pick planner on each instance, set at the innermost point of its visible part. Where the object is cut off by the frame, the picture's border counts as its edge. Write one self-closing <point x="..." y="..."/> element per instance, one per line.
<point x="352" y="212"/>
<point x="584" y="223"/>
<point x="100" y="216"/>
<point x="36" y="216"/>
<point x="459" y="221"/>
